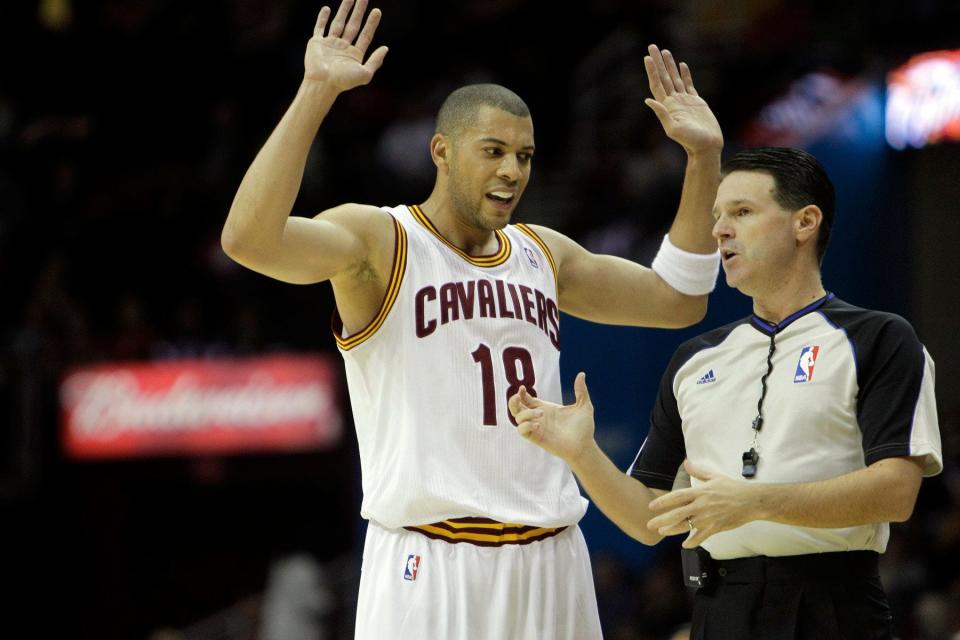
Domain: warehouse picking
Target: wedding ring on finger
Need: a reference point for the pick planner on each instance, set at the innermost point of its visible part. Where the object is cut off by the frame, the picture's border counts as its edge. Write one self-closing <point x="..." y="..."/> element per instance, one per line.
<point x="690" y="523"/>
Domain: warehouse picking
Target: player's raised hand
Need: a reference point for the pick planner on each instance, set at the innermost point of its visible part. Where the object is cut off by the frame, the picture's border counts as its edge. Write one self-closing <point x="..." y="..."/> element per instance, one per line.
<point x="335" y="54"/>
<point x="563" y="430"/>
<point x="685" y="116"/>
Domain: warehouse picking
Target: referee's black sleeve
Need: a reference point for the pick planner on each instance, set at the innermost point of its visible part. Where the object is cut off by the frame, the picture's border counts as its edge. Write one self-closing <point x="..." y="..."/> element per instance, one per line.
<point x="890" y="375"/>
<point x="663" y="451"/>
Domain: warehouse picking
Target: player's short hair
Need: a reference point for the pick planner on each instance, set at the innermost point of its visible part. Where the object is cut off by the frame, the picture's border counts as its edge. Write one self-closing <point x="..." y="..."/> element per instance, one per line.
<point x="460" y="108"/>
<point x="799" y="180"/>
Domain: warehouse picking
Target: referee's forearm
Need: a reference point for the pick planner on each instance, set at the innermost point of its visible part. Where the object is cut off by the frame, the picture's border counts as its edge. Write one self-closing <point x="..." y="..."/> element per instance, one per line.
<point x="883" y="492"/>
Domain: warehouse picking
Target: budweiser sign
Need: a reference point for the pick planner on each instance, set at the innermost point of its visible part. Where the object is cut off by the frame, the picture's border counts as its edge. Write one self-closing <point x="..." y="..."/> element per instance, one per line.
<point x="279" y="403"/>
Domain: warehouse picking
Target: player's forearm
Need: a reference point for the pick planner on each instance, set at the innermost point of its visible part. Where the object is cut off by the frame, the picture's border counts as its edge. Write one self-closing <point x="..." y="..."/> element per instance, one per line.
<point x="884" y="492"/>
<point x="691" y="232"/>
<point x="692" y="227"/>
<point x="624" y="500"/>
<point x="268" y="190"/>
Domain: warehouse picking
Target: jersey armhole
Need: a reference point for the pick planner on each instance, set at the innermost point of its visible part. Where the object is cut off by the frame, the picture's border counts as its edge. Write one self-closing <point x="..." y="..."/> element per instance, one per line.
<point x="393" y="288"/>
<point x="543" y="247"/>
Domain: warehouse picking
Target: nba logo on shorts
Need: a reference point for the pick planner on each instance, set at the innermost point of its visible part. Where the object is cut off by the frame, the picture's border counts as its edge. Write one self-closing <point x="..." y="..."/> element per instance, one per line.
<point x="413" y="564"/>
<point x="808" y="358"/>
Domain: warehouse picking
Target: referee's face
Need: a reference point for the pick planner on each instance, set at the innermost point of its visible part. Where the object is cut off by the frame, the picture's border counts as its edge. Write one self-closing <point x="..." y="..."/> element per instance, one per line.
<point x="755" y="235"/>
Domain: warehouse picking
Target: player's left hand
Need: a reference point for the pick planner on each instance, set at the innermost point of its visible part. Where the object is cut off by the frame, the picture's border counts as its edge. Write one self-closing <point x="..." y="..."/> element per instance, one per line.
<point x="685" y="116"/>
<point x="563" y="430"/>
<point x="716" y="504"/>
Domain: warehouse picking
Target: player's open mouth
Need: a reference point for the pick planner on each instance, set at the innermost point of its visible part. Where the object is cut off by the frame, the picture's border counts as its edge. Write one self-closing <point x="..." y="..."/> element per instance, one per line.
<point x="726" y="254"/>
<point x="501" y="199"/>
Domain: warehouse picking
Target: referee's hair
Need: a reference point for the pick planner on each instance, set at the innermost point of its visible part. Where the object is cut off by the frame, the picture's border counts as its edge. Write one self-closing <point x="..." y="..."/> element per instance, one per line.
<point x="799" y="180"/>
<point x="460" y="108"/>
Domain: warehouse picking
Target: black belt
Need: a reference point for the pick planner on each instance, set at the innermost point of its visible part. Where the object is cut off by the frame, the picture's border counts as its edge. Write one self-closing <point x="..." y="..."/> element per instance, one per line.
<point x="837" y="565"/>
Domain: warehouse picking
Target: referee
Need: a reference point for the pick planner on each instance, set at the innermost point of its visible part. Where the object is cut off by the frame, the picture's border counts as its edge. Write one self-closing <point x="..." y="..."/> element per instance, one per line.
<point x="782" y="444"/>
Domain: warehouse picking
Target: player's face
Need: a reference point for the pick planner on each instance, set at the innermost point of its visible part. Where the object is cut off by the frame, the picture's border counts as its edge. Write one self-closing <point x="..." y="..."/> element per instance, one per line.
<point x="754" y="233"/>
<point x="490" y="166"/>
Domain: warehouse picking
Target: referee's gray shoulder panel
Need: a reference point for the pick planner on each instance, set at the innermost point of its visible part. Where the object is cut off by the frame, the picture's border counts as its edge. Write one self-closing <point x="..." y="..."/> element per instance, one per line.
<point x="696" y="344"/>
<point x="664" y="449"/>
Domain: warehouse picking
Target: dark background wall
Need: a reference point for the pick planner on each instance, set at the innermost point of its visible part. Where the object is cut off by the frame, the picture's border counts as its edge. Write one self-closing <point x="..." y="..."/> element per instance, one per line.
<point x="125" y="128"/>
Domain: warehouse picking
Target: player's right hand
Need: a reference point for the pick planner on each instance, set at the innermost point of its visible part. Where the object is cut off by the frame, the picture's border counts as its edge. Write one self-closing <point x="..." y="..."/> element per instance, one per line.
<point x="336" y="57"/>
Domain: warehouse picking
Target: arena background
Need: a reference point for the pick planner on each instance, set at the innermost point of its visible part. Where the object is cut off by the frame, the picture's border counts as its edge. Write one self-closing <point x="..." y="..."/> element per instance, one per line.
<point x="125" y="128"/>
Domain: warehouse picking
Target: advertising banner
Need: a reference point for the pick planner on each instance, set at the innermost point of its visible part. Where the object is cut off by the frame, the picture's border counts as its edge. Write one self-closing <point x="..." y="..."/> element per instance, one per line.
<point x="209" y="406"/>
<point x="923" y="100"/>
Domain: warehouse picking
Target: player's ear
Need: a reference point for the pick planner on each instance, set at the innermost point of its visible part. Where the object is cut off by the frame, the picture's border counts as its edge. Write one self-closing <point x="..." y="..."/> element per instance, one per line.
<point x="440" y="151"/>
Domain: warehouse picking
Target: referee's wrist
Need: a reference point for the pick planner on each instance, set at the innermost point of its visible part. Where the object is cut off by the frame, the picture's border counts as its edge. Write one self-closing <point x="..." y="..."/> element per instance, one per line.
<point x="763" y="504"/>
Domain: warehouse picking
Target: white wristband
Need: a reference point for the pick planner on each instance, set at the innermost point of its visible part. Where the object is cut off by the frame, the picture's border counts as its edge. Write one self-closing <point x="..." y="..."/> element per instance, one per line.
<point x="694" y="274"/>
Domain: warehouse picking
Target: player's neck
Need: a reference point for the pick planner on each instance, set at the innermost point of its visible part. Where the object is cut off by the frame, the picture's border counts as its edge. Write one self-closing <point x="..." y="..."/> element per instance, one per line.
<point x="456" y="229"/>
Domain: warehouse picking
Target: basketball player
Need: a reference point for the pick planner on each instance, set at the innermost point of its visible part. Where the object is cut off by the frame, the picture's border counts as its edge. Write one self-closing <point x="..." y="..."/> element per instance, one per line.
<point x="472" y="531"/>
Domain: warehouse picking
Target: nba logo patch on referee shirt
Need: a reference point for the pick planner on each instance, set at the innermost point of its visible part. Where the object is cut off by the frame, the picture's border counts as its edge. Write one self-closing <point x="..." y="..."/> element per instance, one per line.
<point x="413" y="565"/>
<point x="808" y="359"/>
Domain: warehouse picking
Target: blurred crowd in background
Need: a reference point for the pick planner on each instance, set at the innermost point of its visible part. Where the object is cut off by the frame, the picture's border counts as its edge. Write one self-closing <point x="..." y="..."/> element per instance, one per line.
<point x="125" y="128"/>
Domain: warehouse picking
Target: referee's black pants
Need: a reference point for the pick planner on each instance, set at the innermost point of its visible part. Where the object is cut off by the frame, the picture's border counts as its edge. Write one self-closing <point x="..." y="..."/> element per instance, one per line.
<point x="825" y="596"/>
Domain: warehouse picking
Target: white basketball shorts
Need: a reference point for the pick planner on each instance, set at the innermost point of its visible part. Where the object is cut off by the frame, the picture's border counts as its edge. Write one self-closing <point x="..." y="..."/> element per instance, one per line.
<point x="429" y="588"/>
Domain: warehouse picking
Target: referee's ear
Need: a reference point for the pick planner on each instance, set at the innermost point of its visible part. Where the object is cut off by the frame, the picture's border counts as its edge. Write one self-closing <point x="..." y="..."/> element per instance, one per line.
<point x="806" y="224"/>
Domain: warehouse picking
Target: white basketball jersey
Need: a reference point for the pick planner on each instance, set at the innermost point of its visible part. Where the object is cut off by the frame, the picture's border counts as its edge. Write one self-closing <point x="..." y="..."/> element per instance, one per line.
<point x="429" y="379"/>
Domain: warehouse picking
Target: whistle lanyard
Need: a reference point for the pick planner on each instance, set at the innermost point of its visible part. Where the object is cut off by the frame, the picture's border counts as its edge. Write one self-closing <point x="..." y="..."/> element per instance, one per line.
<point x="752" y="457"/>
